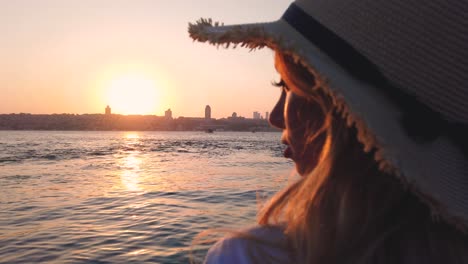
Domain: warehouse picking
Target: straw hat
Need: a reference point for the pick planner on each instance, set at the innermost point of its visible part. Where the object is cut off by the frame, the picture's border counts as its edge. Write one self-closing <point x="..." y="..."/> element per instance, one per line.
<point x="398" y="70"/>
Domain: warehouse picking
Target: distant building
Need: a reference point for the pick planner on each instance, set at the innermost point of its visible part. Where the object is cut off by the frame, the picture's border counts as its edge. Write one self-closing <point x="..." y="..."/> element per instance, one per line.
<point x="108" y="110"/>
<point x="168" y="114"/>
<point x="256" y="115"/>
<point x="267" y="115"/>
<point x="234" y="115"/>
<point x="207" y="112"/>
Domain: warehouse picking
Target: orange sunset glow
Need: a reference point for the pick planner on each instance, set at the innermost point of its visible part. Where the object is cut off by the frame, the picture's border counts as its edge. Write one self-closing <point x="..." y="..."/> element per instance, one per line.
<point x="77" y="57"/>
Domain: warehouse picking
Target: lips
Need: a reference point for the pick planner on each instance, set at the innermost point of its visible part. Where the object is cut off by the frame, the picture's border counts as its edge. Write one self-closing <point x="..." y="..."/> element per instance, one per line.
<point x="288" y="153"/>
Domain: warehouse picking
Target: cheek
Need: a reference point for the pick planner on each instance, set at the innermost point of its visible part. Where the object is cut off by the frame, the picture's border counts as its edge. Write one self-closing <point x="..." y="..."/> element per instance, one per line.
<point x="296" y="123"/>
<point x="304" y="119"/>
<point x="294" y="111"/>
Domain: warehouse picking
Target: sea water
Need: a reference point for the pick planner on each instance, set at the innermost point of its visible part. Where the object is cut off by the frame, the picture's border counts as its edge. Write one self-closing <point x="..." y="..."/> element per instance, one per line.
<point x="129" y="197"/>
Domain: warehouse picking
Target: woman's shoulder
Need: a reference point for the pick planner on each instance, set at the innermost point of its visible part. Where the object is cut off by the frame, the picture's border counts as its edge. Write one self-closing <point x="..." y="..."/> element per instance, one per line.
<point x="259" y="244"/>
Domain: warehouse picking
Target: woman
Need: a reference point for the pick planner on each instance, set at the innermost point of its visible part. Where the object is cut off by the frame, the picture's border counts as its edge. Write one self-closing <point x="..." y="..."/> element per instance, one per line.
<point x="374" y="114"/>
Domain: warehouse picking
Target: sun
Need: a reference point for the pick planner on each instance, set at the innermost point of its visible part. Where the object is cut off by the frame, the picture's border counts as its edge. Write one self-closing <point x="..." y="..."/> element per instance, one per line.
<point x="132" y="94"/>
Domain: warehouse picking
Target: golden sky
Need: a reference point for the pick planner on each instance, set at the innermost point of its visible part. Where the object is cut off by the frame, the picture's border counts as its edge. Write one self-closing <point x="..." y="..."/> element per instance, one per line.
<point x="60" y="56"/>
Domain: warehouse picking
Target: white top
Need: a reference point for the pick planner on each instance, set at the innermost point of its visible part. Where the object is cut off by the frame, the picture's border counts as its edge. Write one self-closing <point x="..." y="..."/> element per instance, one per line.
<point x="240" y="250"/>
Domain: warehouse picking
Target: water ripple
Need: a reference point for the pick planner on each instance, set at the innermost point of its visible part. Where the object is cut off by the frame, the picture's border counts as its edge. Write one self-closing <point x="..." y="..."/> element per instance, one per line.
<point x="101" y="197"/>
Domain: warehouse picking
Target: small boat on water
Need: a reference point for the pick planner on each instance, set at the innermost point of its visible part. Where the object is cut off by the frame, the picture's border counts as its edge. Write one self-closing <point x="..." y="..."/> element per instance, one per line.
<point x="209" y="130"/>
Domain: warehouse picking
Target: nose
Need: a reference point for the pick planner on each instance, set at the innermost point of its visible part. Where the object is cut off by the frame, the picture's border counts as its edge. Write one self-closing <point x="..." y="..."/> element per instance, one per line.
<point x="277" y="114"/>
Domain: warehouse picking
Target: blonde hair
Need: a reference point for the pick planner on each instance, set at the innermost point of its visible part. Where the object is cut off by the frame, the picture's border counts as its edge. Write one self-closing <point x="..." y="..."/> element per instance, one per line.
<point x="346" y="210"/>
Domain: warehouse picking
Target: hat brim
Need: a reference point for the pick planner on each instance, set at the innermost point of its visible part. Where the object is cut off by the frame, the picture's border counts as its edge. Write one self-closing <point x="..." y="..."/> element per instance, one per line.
<point x="376" y="118"/>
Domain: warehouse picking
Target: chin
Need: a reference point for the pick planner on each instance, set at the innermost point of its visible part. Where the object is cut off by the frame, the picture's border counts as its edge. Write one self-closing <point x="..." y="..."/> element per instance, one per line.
<point x="301" y="171"/>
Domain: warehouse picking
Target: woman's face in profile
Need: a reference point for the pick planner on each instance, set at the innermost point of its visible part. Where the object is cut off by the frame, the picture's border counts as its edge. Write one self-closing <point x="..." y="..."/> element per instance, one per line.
<point x="299" y="118"/>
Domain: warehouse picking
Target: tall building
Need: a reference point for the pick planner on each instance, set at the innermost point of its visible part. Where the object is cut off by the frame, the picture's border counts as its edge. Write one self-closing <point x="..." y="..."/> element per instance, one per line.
<point x="267" y="115"/>
<point x="108" y="110"/>
<point x="207" y="112"/>
<point x="256" y="115"/>
<point x="168" y="114"/>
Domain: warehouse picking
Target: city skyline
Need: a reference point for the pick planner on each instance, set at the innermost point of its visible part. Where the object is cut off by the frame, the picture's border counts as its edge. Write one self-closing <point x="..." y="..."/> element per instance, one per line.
<point x="108" y="121"/>
<point x="75" y="57"/>
<point x="168" y="113"/>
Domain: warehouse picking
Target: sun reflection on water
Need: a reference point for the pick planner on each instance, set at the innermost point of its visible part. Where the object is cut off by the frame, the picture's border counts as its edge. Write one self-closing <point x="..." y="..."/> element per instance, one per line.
<point x="130" y="177"/>
<point x="139" y="252"/>
<point x="132" y="135"/>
